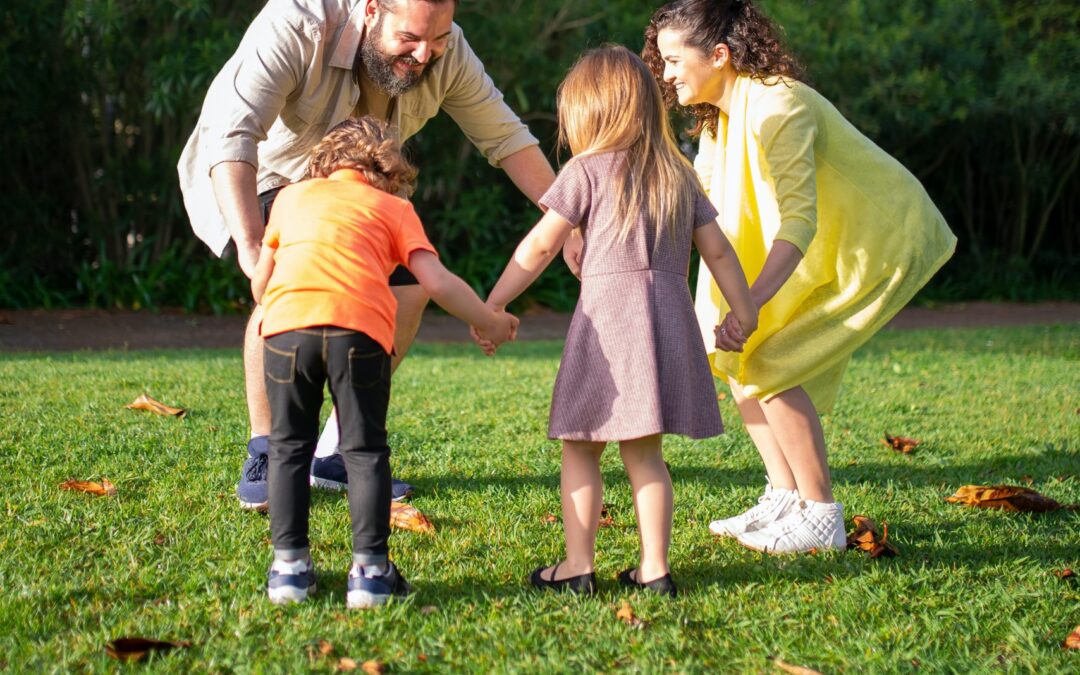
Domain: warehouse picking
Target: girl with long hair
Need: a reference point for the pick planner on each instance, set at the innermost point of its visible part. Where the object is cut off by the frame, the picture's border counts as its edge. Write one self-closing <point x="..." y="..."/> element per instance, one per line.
<point x="634" y="367"/>
<point x="834" y="234"/>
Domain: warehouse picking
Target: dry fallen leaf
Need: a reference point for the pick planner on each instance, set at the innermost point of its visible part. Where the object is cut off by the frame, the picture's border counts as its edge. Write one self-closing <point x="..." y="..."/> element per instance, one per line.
<point x="137" y="648"/>
<point x="606" y="519"/>
<point x="625" y="613"/>
<point x="428" y="609"/>
<point x="789" y="668"/>
<point x="1006" y="498"/>
<point x="144" y="402"/>
<point x="102" y="489"/>
<point x="373" y="667"/>
<point x="721" y="396"/>
<point x="868" y="537"/>
<point x="346" y="664"/>
<point x="551" y="518"/>
<point x="325" y="648"/>
<point x="900" y="443"/>
<point x="1065" y="574"/>
<point x="408" y="517"/>
<point x="1073" y="640"/>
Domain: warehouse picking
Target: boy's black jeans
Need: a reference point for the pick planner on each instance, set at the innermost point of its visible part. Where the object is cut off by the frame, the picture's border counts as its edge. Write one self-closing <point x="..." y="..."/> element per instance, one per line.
<point x="357" y="369"/>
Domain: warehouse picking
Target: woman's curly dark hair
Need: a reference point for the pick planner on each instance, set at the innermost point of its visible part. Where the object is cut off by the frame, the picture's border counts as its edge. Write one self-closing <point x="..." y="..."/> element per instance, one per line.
<point x="369" y="146"/>
<point x="754" y="39"/>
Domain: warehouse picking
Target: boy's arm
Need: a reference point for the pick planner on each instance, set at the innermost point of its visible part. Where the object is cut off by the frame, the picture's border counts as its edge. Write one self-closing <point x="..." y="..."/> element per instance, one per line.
<point x="263" y="269"/>
<point x="533" y="255"/>
<point x="451" y="293"/>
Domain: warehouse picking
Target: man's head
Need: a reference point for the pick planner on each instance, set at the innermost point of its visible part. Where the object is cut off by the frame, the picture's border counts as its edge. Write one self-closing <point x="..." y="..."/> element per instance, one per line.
<point x="403" y="40"/>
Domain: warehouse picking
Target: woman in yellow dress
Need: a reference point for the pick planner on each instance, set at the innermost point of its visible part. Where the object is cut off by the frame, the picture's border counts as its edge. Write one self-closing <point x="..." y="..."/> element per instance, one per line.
<point x="834" y="235"/>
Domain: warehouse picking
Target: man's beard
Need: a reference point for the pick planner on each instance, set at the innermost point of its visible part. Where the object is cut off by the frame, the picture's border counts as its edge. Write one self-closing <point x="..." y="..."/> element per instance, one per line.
<point x="379" y="67"/>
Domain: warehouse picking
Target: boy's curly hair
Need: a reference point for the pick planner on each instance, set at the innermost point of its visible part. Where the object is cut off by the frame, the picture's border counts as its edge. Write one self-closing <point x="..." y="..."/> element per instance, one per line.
<point x="368" y="146"/>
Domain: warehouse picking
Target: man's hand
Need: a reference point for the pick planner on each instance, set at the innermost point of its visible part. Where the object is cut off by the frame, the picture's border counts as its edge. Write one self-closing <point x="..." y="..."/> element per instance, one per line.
<point x="571" y="252"/>
<point x="247" y="256"/>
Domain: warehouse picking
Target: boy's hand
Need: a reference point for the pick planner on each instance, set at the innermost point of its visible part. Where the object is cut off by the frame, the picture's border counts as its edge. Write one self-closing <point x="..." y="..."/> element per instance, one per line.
<point x="730" y="336"/>
<point x="502" y="328"/>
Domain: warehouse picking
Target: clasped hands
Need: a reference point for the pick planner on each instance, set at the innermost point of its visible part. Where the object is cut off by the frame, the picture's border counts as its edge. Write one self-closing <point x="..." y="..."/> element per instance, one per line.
<point x="731" y="335"/>
<point x="503" y="328"/>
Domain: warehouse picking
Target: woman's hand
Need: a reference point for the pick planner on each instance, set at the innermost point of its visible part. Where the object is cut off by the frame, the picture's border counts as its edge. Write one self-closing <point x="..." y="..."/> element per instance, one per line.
<point x="730" y="336"/>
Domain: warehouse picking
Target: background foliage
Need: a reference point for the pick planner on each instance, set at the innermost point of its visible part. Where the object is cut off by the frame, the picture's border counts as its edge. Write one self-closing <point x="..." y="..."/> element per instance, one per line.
<point x="976" y="97"/>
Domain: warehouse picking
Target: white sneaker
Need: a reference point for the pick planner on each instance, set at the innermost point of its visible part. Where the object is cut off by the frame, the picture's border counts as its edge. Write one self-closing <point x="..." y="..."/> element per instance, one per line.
<point x="290" y="581"/>
<point x="810" y="525"/>
<point x="771" y="507"/>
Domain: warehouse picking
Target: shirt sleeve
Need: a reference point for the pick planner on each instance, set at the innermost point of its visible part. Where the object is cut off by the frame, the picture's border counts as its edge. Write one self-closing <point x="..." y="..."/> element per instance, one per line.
<point x="249" y="93"/>
<point x="704" y="211"/>
<point x="787" y="128"/>
<point x="478" y="108"/>
<point x="410" y="235"/>
<point x="570" y="195"/>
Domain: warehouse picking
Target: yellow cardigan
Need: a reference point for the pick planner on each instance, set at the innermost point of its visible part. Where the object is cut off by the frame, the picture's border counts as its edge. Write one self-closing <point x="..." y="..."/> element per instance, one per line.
<point x="785" y="164"/>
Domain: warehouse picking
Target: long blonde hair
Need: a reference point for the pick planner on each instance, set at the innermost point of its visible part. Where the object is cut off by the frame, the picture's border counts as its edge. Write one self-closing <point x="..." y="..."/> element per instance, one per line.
<point x="610" y="102"/>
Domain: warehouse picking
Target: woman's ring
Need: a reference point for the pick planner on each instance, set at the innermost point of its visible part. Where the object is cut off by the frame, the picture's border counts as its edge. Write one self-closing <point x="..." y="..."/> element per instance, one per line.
<point x="723" y="331"/>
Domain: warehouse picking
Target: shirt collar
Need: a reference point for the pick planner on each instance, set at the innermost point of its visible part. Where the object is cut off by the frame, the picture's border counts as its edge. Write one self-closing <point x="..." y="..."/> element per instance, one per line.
<point x="349" y="41"/>
<point x="350" y="175"/>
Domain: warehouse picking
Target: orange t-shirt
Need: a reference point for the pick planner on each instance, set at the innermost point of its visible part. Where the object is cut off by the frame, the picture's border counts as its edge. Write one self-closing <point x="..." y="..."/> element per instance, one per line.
<point x="337" y="240"/>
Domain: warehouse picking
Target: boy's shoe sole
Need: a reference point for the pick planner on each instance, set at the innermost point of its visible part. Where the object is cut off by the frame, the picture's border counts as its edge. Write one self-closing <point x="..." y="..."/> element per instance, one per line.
<point x="366" y="600"/>
<point x="259" y="507"/>
<point x="285" y="595"/>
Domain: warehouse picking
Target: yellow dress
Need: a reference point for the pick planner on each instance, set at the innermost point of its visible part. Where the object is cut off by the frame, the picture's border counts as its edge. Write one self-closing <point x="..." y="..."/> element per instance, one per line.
<point x="786" y="165"/>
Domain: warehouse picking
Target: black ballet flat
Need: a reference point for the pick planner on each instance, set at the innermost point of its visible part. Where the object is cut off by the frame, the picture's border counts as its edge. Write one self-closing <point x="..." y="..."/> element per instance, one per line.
<point x="583" y="584"/>
<point x="665" y="585"/>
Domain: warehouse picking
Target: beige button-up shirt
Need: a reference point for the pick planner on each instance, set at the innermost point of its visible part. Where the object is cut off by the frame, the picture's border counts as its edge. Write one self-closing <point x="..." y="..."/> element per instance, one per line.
<point x="290" y="81"/>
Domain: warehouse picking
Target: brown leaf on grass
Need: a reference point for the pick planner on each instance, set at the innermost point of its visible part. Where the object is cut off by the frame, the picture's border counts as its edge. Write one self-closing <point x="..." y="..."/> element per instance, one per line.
<point x="790" y="668"/>
<point x="606" y="519"/>
<point x="551" y="518"/>
<point x="346" y="664"/>
<point x="144" y="402"/>
<point x="625" y="613"/>
<point x="137" y="648"/>
<point x="1006" y="498"/>
<point x="408" y="517"/>
<point x="102" y="489"/>
<point x="373" y="667"/>
<point x="721" y="396"/>
<point x="867" y="536"/>
<point x="428" y="609"/>
<point x="1065" y="574"/>
<point x="900" y="444"/>
<point x="325" y="648"/>
<point x="1073" y="640"/>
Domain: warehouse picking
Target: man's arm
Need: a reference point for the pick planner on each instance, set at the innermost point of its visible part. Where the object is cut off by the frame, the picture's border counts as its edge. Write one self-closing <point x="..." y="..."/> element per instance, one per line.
<point x="236" y="194"/>
<point x="530" y="171"/>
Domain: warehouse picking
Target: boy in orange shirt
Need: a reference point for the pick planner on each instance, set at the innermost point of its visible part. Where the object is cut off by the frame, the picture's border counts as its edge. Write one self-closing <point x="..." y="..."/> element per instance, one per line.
<point x="328" y="317"/>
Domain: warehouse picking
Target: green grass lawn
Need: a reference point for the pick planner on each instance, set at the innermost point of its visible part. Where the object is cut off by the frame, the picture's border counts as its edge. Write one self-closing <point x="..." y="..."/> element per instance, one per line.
<point x="172" y="557"/>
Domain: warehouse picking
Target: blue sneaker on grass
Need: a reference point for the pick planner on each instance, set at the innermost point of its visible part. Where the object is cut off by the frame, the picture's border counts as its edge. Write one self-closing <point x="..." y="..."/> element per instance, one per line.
<point x="329" y="473"/>
<point x="252" y="490"/>
<point x="290" y="581"/>
<point x="367" y="591"/>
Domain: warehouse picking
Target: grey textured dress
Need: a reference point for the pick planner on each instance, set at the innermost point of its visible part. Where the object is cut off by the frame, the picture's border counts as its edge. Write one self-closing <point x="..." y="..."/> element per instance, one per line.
<point x="634" y="363"/>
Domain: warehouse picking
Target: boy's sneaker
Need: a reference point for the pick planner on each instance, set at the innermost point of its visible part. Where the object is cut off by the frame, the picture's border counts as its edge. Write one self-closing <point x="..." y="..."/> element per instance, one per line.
<point x="366" y="590"/>
<point x="810" y="526"/>
<point x="290" y="581"/>
<point x="252" y="490"/>
<point x="771" y="507"/>
<point x="329" y="473"/>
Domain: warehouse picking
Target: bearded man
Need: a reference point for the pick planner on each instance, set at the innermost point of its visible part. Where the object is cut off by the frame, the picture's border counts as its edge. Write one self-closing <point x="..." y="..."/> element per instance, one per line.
<point x="302" y="67"/>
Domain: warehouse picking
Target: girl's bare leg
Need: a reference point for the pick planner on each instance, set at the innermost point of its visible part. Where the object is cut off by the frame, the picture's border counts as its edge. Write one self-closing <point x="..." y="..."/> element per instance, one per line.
<point x="772" y="455"/>
<point x="795" y="424"/>
<point x="582" y="494"/>
<point x="653" y="503"/>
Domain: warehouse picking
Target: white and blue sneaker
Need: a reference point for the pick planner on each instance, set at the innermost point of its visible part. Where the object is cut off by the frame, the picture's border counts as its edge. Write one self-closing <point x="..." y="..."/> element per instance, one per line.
<point x="290" y="581"/>
<point x="329" y="473"/>
<point x="253" y="490"/>
<point x="373" y="586"/>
